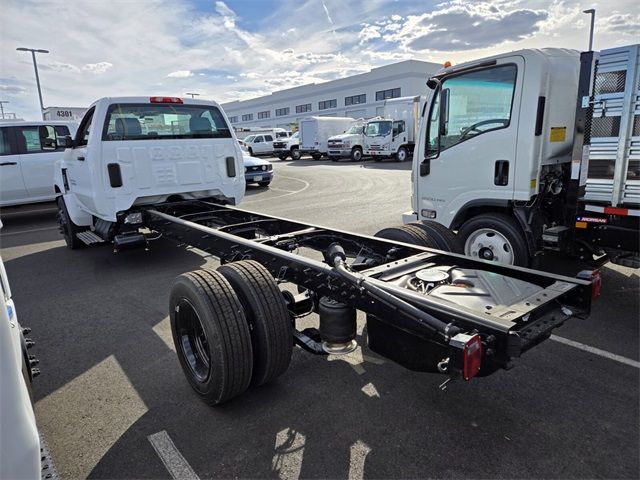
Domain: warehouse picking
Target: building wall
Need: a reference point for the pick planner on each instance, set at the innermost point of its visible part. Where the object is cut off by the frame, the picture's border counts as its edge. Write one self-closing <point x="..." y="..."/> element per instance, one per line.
<point x="409" y="76"/>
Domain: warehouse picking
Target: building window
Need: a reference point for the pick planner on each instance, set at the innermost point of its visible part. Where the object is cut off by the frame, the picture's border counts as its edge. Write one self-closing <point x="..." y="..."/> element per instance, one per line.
<point x="233" y="119"/>
<point x="303" y="108"/>
<point x="355" y="99"/>
<point x="386" y="94"/>
<point x="265" y="114"/>
<point x="327" y="104"/>
<point x="281" y="112"/>
<point x="247" y="117"/>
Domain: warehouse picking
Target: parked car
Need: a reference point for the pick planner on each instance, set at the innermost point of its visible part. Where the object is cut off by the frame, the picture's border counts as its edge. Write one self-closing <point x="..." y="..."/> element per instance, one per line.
<point x="28" y="152"/>
<point x="257" y="170"/>
<point x="22" y="454"/>
<point x="259" y="144"/>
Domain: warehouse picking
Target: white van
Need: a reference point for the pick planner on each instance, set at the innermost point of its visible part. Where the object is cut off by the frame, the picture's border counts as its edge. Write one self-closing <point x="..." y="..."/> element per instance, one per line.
<point x="28" y="152"/>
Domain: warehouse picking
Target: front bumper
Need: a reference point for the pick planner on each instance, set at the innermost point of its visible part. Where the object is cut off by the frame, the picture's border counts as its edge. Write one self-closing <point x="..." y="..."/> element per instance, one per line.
<point x="333" y="152"/>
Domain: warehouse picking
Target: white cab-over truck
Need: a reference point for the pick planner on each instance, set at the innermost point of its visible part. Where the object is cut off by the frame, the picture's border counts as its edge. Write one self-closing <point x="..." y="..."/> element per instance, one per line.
<point x="316" y="131"/>
<point x="534" y="151"/>
<point x="135" y="151"/>
<point x="349" y="144"/>
<point x="393" y="135"/>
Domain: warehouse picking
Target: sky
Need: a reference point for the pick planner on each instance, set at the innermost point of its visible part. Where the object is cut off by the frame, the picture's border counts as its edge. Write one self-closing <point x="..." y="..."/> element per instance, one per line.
<point x="239" y="49"/>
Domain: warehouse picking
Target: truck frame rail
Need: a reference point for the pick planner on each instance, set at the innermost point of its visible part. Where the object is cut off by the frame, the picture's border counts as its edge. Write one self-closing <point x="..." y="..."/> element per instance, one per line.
<point x="417" y="299"/>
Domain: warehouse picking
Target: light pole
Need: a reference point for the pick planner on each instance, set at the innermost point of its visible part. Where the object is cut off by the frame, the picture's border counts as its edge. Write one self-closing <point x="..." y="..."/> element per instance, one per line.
<point x="193" y="95"/>
<point x="2" y="107"/>
<point x="593" y="17"/>
<point x="35" y="67"/>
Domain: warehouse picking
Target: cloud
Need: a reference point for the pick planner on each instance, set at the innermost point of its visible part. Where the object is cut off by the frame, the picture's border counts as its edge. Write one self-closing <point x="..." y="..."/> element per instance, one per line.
<point x="621" y="23"/>
<point x="326" y="10"/>
<point x="12" y="89"/>
<point x="180" y="74"/>
<point x="97" y="68"/>
<point x="368" y="32"/>
<point x="468" y="26"/>
<point x="60" y="67"/>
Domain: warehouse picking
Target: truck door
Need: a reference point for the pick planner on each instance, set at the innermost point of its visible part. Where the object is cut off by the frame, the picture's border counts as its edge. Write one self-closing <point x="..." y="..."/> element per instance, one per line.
<point x="12" y="189"/>
<point x="38" y="153"/>
<point x="468" y="143"/>
<point x="78" y="165"/>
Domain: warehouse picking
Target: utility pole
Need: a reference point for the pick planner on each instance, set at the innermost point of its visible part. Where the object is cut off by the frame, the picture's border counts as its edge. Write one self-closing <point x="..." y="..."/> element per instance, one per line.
<point x="193" y="95"/>
<point x="2" y="107"/>
<point x="35" y="68"/>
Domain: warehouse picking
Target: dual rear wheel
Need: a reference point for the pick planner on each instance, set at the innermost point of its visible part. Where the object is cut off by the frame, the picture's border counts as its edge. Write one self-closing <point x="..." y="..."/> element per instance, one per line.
<point x="231" y="329"/>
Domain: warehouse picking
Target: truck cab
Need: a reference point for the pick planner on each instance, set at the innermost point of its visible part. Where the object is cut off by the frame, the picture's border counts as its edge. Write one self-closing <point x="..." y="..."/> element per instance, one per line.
<point x="503" y="151"/>
<point x="349" y="144"/>
<point x="133" y="151"/>
<point x="393" y="135"/>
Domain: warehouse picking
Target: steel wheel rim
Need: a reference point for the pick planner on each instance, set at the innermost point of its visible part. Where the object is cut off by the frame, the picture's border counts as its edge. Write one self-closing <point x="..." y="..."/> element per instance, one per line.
<point x="192" y="340"/>
<point x="402" y="155"/>
<point x="489" y="244"/>
<point x="357" y="155"/>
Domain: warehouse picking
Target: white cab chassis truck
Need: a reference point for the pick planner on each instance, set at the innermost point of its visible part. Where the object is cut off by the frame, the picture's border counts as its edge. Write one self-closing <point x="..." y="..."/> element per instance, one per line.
<point x="316" y="131"/>
<point x="236" y="326"/>
<point x="349" y="144"/>
<point x="534" y="151"/>
<point x="135" y="151"/>
<point x="393" y="135"/>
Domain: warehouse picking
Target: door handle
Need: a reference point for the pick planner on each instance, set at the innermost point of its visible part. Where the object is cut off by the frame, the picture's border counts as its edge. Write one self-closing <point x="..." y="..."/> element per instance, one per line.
<point x="81" y="158"/>
<point x="5" y="164"/>
<point x="425" y="167"/>
<point x="501" y="173"/>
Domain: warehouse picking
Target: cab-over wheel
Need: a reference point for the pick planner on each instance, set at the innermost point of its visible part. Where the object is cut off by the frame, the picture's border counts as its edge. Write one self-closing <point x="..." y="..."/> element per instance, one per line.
<point x="402" y="155"/>
<point x="496" y="237"/>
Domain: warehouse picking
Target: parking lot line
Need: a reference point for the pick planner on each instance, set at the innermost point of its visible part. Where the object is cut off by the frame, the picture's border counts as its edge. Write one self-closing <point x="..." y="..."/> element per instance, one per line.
<point x="177" y="466"/>
<point x="597" y="351"/>
<point x="29" y="231"/>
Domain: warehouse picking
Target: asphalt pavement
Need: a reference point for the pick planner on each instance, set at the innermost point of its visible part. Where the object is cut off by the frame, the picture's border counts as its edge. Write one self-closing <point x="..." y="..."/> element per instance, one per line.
<point x="113" y="402"/>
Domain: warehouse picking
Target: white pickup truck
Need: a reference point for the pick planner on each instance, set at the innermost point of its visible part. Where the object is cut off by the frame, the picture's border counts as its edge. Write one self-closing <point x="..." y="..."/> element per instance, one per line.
<point x="28" y="153"/>
<point x="133" y="151"/>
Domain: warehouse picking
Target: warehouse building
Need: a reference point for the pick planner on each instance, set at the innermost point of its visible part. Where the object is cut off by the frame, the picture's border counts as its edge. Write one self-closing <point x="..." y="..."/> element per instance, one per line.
<point x="357" y="96"/>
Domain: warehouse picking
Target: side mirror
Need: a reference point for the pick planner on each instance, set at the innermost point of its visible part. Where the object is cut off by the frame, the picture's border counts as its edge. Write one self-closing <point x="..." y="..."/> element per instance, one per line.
<point x="65" y="142"/>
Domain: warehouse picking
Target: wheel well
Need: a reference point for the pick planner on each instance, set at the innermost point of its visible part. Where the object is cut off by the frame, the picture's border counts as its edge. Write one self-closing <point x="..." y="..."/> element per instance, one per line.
<point x="470" y="212"/>
<point x="294" y="147"/>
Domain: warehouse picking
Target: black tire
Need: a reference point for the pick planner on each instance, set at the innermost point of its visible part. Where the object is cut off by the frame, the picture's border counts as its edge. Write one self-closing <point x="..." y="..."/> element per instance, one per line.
<point x="407" y="234"/>
<point x="495" y="225"/>
<point x="402" y="155"/>
<point x="356" y="154"/>
<point x="444" y="238"/>
<point x="68" y="228"/>
<point x="264" y="184"/>
<point x="250" y="150"/>
<point x="283" y="156"/>
<point x="295" y="154"/>
<point x="211" y="336"/>
<point x="267" y="316"/>
<point x="316" y="156"/>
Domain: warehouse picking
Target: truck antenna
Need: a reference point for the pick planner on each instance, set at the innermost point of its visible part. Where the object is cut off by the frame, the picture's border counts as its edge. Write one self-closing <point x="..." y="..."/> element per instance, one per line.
<point x="591" y="11"/>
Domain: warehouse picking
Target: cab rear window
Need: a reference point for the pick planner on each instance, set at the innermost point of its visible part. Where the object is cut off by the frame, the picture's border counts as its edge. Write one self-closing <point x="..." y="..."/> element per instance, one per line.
<point x="163" y="121"/>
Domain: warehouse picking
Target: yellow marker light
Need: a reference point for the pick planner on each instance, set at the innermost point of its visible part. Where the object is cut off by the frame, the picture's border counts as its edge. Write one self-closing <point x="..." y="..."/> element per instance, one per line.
<point x="447" y="64"/>
<point x="581" y="224"/>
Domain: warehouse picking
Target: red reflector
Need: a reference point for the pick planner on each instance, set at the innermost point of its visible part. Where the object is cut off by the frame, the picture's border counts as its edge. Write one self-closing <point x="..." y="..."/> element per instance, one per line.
<point x="165" y="100"/>
<point x="595" y="278"/>
<point x="616" y="211"/>
<point x="472" y="357"/>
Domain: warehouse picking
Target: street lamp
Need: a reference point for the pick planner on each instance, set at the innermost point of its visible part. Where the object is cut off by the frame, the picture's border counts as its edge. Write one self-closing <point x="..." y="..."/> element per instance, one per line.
<point x="2" y="107"/>
<point x="35" y="67"/>
<point x="592" y="12"/>
<point x="193" y="95"/>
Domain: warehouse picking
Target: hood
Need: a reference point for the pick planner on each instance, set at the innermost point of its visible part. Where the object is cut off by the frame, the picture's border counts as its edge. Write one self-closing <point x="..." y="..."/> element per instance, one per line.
<point x="254" y="161"/>
<point x="345" y="136"/>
